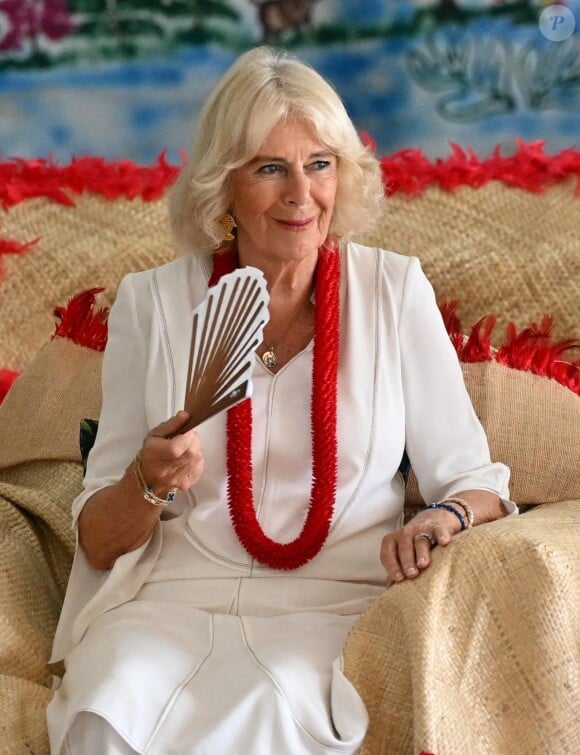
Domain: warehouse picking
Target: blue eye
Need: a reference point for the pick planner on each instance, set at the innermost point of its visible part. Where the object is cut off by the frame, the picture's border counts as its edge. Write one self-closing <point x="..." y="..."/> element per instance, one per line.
<point x="269" y="169"/>
<point x="320" y="165"/>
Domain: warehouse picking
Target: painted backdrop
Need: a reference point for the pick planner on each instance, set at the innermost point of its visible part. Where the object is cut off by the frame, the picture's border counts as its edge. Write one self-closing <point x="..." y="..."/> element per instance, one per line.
<point x="126" y="78"/>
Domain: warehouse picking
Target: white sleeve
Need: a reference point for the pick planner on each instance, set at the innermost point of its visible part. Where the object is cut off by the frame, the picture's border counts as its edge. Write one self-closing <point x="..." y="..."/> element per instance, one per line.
<point x="445" y="441"/>
<point x="122" y="423"/>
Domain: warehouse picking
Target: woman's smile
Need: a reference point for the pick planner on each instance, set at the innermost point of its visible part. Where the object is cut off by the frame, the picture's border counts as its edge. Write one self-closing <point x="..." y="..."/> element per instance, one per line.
<point x="299" y="224"/>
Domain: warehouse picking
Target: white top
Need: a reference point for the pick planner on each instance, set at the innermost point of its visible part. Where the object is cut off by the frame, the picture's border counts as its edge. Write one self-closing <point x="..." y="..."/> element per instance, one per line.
<point x="400" y="387"/>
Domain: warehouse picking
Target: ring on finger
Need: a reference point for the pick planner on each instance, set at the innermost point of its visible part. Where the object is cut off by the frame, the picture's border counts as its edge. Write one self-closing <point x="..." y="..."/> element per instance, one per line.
<point x="428" y="537"/>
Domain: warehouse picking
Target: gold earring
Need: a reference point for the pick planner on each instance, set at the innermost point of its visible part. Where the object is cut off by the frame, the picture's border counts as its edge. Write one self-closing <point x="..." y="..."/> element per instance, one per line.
<point x="228" y="224"/>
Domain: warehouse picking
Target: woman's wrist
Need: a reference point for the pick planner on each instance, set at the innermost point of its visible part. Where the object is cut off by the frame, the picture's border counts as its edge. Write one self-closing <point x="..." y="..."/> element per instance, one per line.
<point x="452" y="509"/>
<point x="158" y="497"/>
<point x="477" y="506"/>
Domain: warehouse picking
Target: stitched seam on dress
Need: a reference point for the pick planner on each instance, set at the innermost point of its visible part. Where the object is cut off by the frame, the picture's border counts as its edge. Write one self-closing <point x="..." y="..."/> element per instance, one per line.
<point x="235" y="604"/>
<point x="103" y="715"/>
<point x="268" y="673"/>
<point x="256" y="565"/>
<point x="271" y="391"/>
<point x="207" y="549"/>
<point x="165" y="333"/>
<point x="402" y="366"/>
<point x="369" y="449"/>
<point x="171" y="702"/>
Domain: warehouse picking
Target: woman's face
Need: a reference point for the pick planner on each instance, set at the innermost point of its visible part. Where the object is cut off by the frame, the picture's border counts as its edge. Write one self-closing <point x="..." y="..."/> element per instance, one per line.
<point x="284" y="197"/>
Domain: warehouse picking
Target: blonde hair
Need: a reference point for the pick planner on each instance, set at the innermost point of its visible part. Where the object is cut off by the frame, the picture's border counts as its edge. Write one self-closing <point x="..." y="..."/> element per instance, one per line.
<point x="262" y="88"/>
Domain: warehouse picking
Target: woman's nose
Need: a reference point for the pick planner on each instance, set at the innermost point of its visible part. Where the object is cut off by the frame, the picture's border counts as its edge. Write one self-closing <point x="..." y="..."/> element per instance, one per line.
<point x="298" y="188"/>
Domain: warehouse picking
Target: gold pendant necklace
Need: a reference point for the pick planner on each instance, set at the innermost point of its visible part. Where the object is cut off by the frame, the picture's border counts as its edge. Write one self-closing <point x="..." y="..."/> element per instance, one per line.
<point x="269" y="358"/>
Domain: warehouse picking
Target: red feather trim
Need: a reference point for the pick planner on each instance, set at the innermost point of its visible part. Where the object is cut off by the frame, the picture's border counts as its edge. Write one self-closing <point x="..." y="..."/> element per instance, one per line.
<point x="80" y="322"/>
<point x="10" y="246"/>
<point x="408" y="171"/>
<point x="530" y="168"/>
<point x="448" y="311"/>
<point x="24" y="179"/>
<point x="532" y="350"/>
<point x="7" y="377"/>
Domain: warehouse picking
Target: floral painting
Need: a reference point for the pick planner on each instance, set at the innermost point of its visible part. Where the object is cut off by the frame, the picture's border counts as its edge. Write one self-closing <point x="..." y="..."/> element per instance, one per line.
<point x="127" y="78"/>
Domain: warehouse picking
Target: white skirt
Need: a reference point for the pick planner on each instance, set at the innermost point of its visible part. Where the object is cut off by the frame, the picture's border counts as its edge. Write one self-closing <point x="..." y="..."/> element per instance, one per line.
<point x="173" y="676"/>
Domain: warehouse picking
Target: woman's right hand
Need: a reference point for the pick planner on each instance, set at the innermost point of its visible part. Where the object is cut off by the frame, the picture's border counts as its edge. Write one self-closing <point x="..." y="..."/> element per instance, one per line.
<point x="169" y="459"/>
<point x="118" y="519"/>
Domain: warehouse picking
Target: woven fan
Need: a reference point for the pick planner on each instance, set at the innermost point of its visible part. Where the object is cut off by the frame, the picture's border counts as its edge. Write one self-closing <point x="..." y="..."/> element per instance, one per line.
<point x="226" y="329"/>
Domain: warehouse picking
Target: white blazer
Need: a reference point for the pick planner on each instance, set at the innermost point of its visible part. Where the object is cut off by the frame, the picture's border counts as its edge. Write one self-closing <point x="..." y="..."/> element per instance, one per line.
<point x="400" y="387"/>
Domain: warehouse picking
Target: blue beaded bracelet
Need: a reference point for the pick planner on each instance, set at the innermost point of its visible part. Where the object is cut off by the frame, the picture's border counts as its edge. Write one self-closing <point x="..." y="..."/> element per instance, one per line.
<point x="450" y="508"/>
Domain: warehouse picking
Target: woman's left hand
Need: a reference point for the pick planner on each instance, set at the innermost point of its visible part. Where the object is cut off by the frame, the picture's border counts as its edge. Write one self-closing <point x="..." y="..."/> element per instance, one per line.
<point x="406" y="552"/>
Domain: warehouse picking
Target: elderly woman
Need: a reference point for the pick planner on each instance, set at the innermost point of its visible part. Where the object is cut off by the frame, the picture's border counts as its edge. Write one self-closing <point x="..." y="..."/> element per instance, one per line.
<point x="177" y="636"/>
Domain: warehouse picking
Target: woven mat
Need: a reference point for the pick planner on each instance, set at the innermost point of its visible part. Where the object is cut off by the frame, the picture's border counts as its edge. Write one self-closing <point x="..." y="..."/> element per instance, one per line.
<point x="92" y="244"/>
<point x="43" y="410"/>
<point x="36" y="547"/>
<point x="502" y="609"/>
<point x="481" y="654"/>
<point x="22" y="715"/>
<point x="496" y="249"/>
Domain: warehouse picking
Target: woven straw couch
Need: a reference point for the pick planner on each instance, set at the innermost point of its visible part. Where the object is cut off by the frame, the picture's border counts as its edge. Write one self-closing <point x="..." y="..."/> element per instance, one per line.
<point x="480" y="655"/>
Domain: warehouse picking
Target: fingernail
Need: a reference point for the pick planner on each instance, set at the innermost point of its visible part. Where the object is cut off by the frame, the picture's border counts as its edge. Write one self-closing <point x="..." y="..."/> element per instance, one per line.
<point x="422" y="562"/>
<point x="398" y="576"/>
<point x="411" y="571"/>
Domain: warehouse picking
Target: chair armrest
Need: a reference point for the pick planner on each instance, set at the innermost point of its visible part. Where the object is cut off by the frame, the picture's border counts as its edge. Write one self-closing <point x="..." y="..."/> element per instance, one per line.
<point x="480" y="653"/>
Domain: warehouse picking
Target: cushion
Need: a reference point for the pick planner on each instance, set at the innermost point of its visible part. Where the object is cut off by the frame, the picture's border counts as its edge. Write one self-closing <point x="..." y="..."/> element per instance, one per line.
<point x="516" y="252"/>
<point x="532" y="426"/>
<point x="42" y="412"/>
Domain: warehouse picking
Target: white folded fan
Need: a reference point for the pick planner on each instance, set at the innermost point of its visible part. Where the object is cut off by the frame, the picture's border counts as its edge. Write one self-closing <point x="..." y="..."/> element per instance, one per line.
<point x="227" y="328"/>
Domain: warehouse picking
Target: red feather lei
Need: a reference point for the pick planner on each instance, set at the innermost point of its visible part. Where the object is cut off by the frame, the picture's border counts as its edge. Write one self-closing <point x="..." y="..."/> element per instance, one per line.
<point x="316" y="527"/>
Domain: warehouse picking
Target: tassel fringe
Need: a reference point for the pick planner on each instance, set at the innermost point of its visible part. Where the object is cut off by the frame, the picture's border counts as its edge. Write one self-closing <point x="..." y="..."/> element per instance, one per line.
<point x="81" y="322"/>
<point x="531" y="350"/>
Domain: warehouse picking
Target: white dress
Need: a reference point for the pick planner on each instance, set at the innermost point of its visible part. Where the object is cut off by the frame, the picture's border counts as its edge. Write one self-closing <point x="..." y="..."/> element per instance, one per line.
<point x="188" y="645"/>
